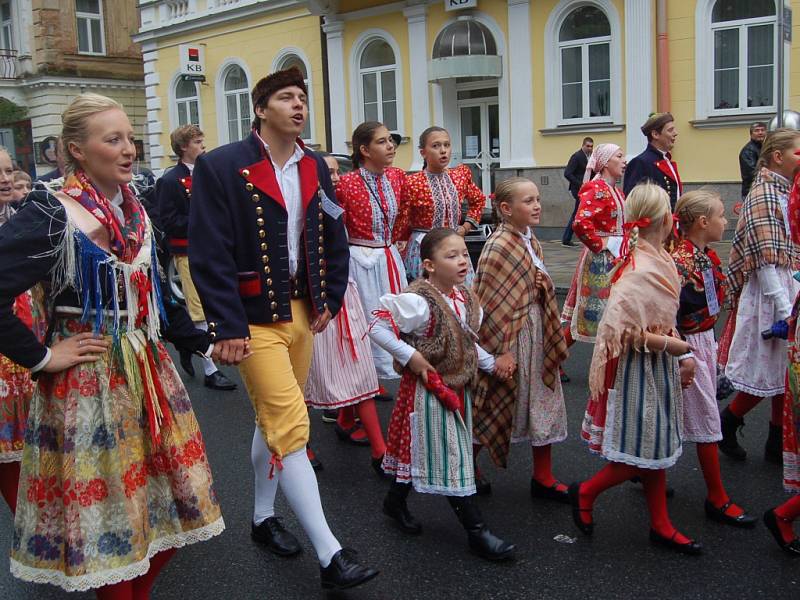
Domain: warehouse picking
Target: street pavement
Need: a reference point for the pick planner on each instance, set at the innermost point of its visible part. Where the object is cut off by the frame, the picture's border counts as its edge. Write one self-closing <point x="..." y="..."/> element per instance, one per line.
<point x="553" y="559"/>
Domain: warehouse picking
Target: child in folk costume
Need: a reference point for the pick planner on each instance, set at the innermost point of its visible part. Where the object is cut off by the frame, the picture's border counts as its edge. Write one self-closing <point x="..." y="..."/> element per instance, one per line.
<point x="634" y="418"/>
<point x="598" y="224"/>
<point x="761" y="289"/>
<point x="16" y="385"/>
<point x="111" y="434"/>
<point x="522" y="318"/>
<point x="434" y="197"/>
<point x="431" y="332"/>
<point x="342" y="374"/>
<point x="701" y="219"/>
<point x="779" y="520"/>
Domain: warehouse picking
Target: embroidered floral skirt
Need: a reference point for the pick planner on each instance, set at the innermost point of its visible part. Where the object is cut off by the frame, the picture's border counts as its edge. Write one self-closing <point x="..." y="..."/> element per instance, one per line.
<point x="588" y="295"/>
<point x="98" y="497"/>
<point x="342" y="372"/>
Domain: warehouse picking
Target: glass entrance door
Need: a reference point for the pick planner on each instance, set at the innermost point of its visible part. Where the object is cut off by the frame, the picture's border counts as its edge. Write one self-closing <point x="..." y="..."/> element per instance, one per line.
<point x="480" y="139"/>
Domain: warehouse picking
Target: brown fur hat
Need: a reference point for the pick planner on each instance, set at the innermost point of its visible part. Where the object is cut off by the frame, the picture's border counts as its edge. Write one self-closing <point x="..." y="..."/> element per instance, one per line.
<point x="276" y="81"/>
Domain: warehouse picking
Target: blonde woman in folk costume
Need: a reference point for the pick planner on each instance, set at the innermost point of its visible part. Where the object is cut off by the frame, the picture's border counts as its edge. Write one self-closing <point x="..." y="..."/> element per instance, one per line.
<point x="111" y="429"/>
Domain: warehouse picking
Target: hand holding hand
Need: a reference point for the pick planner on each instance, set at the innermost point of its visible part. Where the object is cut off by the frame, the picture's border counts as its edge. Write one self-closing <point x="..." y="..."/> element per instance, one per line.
<point x="81" y="348"/>
<point x="504" y="366"/>
<point x="231" y="352"/>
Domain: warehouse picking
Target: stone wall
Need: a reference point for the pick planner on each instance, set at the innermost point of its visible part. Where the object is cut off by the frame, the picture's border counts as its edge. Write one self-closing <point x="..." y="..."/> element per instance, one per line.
<point x="557" y="203"/>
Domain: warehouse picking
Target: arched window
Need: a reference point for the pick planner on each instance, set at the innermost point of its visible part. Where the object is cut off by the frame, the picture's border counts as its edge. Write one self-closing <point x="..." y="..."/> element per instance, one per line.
<point x="187" y="100"/>
<point x="584" y="54"/>
<point x="236" y="92"/>
<point x="378" y="83"/>
<point x="744" y="55"/>
<point x="293" y="60"/>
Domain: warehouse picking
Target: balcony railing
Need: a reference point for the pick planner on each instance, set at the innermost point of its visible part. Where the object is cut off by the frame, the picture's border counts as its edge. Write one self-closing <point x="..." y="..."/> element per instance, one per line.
<point x="8" y="63"/>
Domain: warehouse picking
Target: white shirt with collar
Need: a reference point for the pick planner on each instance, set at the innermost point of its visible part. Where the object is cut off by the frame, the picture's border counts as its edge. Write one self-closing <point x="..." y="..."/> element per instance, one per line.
<point x="289" y="183"/>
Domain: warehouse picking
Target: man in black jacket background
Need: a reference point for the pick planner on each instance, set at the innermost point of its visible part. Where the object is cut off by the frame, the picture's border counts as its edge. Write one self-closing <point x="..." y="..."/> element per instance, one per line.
<point x="748" y="157"/>
<point x="574" y="175"/>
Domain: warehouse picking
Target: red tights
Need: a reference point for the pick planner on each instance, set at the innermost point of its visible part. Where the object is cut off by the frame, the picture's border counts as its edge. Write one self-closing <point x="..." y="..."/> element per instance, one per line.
<point x="9" y="484"/>
<point x="369" y="421"/>
<point x="139" y="588"/>
<point x="543" y="467"/>
<point x="655" y="490"/>
<point x="743" y="403"/>
<point x="788" y="512"/>
<point x="708" y="456"/>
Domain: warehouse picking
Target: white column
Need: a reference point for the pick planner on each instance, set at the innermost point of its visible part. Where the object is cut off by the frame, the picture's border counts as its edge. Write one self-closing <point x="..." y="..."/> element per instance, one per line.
<point x="639" y="76"/>
<point x="334" y="29"/>
<point x="154" y="126"/>
<point x="520" y="78"/>
<point x="418" y="64"/>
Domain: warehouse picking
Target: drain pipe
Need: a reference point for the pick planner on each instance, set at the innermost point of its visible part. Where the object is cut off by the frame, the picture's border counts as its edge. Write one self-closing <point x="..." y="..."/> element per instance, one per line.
<point x="662" y="56"/>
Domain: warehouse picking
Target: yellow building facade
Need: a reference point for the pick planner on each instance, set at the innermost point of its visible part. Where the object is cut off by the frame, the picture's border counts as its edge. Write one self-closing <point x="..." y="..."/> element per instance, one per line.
<point x="518" y="83"/>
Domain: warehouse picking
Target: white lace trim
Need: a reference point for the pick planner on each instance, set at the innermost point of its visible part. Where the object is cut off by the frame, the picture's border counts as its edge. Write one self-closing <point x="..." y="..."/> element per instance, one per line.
<point x="761" y="393"/>
<point x="440" y="490"/>
<point x="560" y="437"/>
<point x="642" y="463"/>
<point x="12" y="456"/>
<point x="82" y="583"/>
<point x="701" y="439"/>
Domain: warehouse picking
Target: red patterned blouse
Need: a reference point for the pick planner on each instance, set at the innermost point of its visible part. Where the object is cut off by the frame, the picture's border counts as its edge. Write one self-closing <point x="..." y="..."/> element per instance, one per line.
<point x="601" y="213"/>
<point x="434" y="200"/>
<point x="371" y="203"/>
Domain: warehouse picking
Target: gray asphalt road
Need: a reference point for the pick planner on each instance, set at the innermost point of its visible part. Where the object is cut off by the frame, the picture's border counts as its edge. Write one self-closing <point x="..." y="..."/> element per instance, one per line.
<point x="618" y="562"/>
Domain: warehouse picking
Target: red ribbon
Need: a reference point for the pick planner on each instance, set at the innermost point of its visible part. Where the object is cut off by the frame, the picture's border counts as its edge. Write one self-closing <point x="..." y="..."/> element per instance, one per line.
<point x="625" y="255"/>
<point x="143" y="287"/>
<point x="386" y="316"/>
<point x="275" y="461"/>
<point x="449" y="399"/>
<point x="394" y="273"/>
<point x="344" y="332"/>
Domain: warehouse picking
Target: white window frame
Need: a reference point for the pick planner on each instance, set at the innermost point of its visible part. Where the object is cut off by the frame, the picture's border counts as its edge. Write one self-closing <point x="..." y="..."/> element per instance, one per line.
<point x="704" y="65"/>
<point x="7" y="27"/>
<point x="278" y="64"/>
<point x="552" y="56"/>
<point x="173" y="103"/>
<point x="356" y="82"/>
<point x="92" y="17"/>
<point x="221" y="96"/>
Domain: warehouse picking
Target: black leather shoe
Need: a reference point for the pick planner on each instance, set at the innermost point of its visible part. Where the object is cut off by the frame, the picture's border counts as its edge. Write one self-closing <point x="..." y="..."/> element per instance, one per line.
<point x="693" y="548"/>
<point x="344" y="572"/>
<point x="346" y="435"/>
<point x="186" y="362"/>
<point x="574" y="493"/>
<point x="329" y="415"/>
<point x="218" y="381"/>
<point x="718" y="515"/>
<point x="487" y="545"/>
<point x="771" y="521"/>
<point x="549" y="492"/>
<point x="729" y="445"/>
<point x="398" y="510"/>
<point x="773" y="449"/>
<point x="271" y="533"/>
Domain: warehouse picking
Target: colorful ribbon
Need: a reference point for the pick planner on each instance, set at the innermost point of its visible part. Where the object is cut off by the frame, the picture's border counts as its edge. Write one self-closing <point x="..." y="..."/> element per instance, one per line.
<point x="625" y="254"/>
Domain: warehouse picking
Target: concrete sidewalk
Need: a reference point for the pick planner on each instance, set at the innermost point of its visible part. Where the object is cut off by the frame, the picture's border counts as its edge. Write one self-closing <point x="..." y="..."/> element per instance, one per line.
<point x="561" y="260"/>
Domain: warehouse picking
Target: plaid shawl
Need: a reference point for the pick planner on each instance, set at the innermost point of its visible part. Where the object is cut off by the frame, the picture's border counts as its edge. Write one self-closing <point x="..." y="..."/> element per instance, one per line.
<point x="508" y="284"/>
<point x="760" y="238"/>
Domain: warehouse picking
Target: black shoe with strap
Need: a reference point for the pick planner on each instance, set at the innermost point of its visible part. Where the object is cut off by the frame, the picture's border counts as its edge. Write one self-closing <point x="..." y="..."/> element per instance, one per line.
<point x="792" y="547"/>
<point x="691" y="547"/>
<point x="272" y="534"/>
<point x="574" y="494"/>
<point x="719" y="515"/>
<point x="344" y="571"/>
<point x="550" y="492"/>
